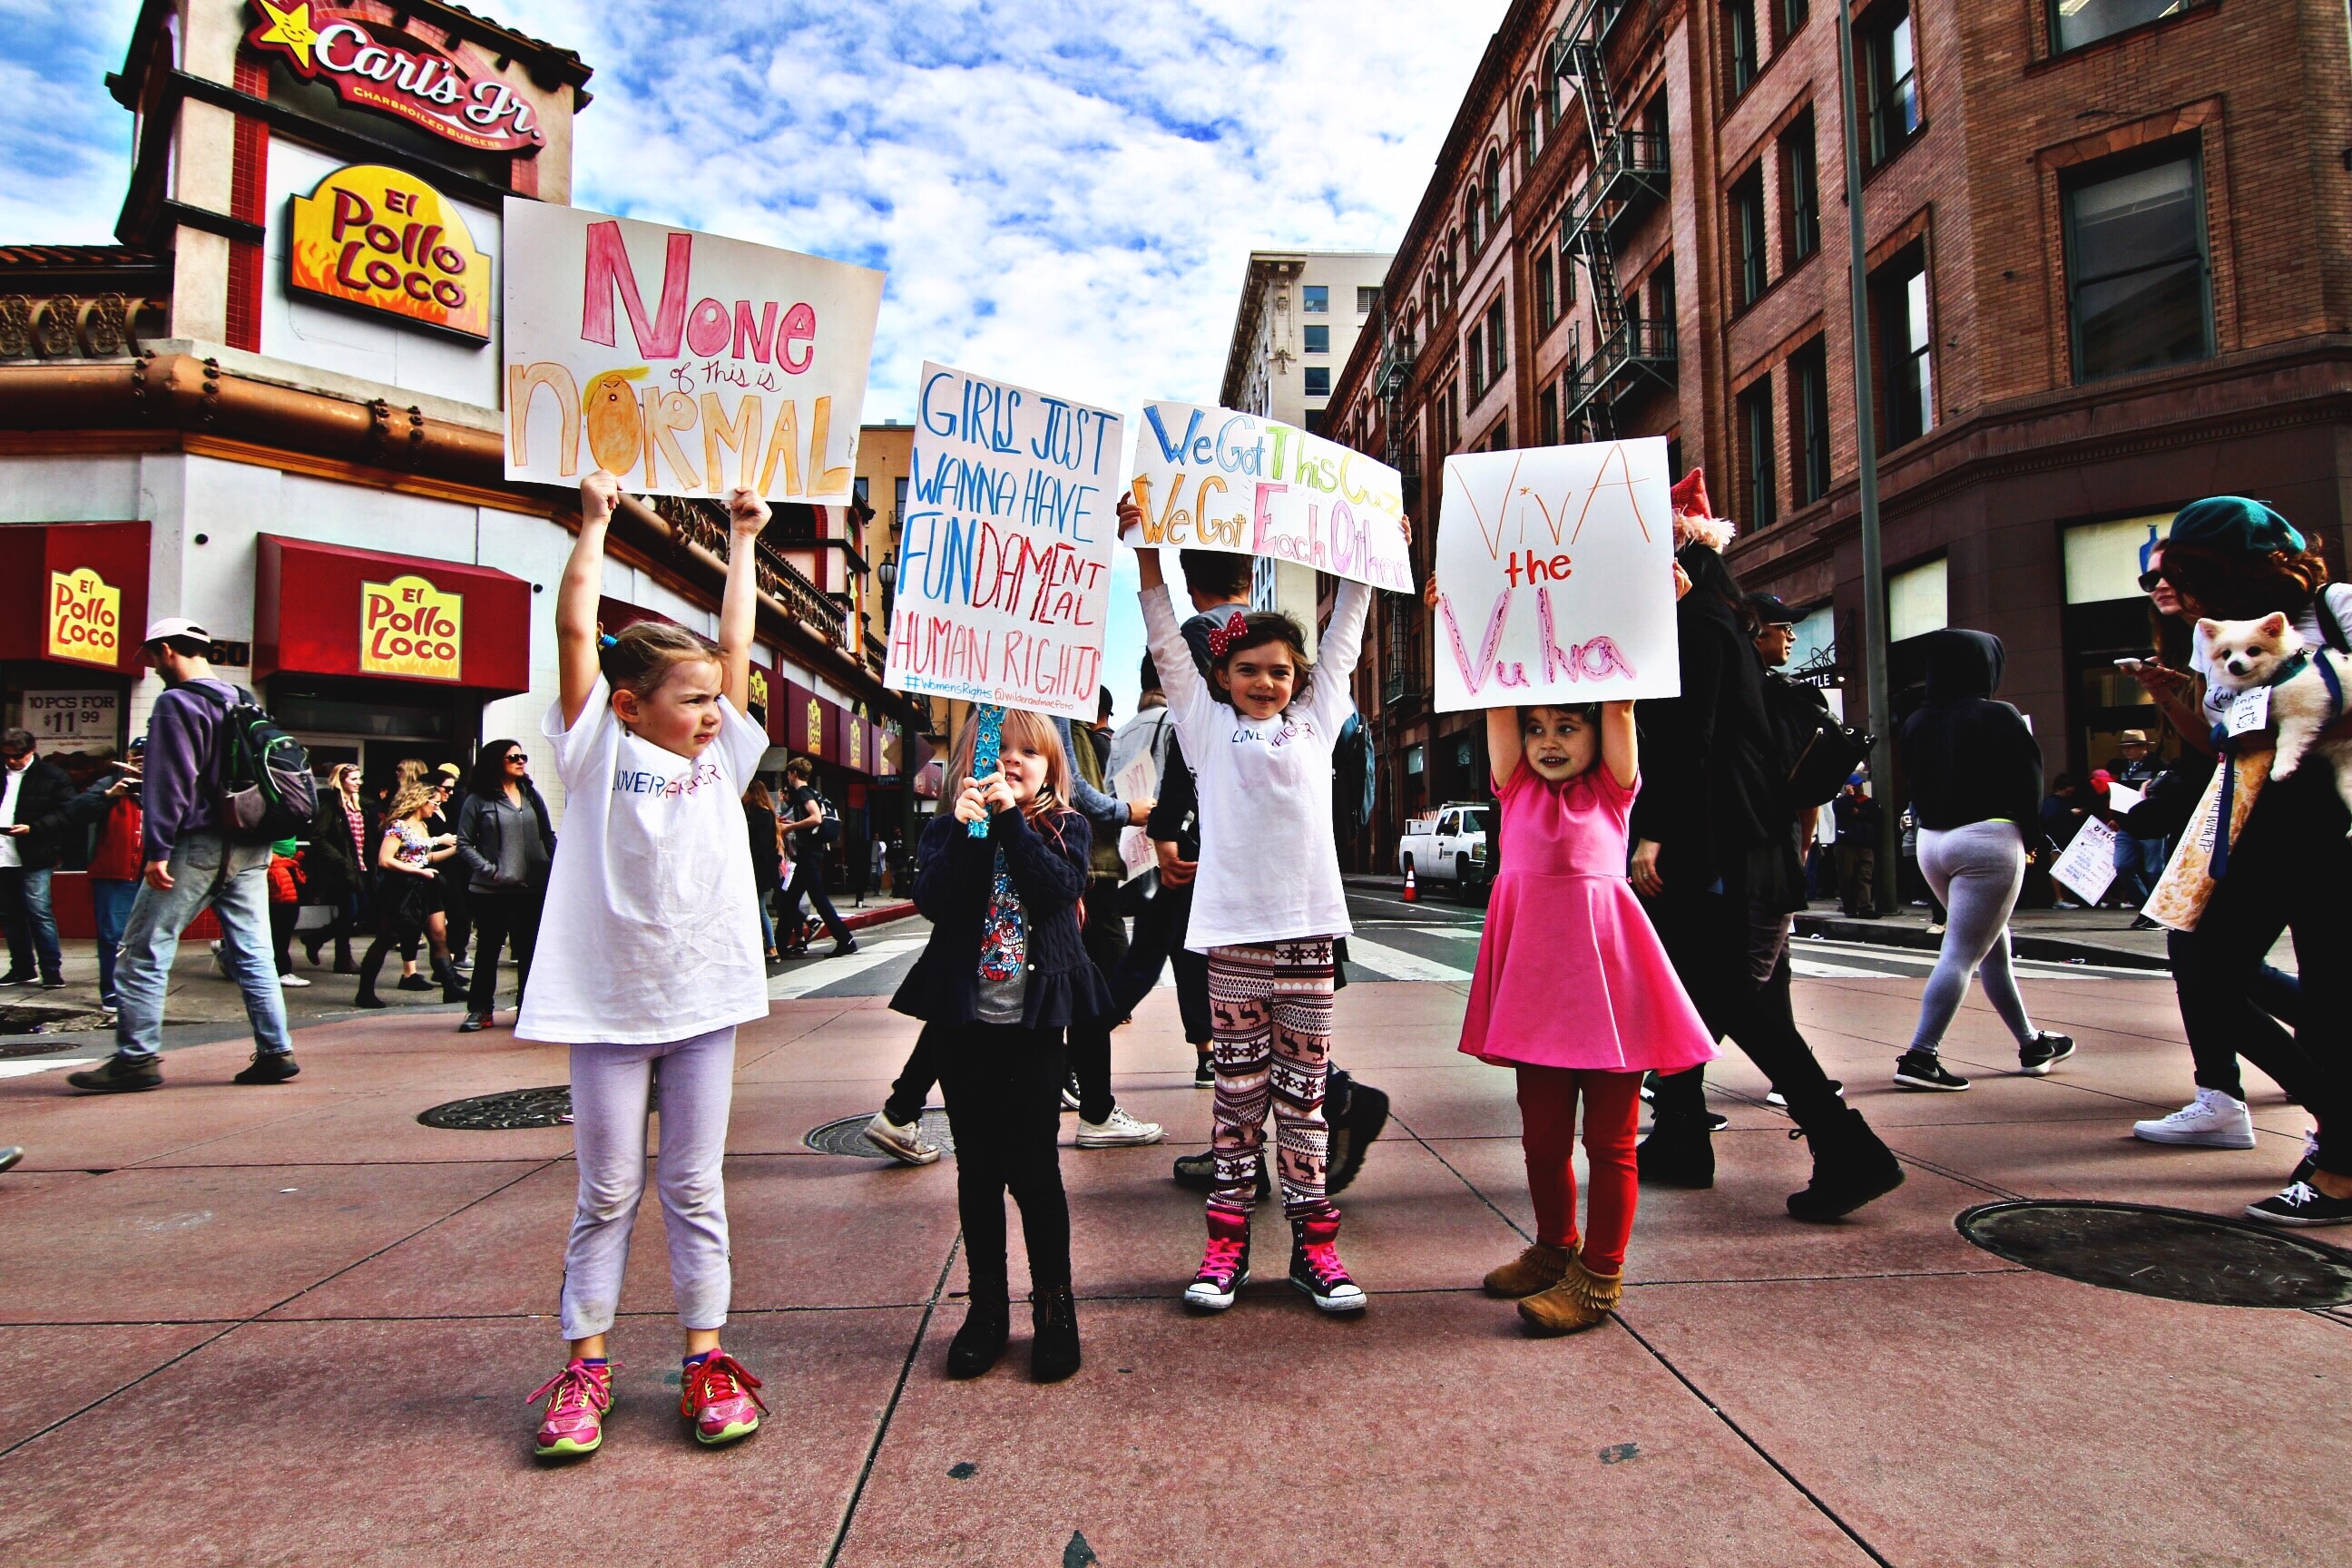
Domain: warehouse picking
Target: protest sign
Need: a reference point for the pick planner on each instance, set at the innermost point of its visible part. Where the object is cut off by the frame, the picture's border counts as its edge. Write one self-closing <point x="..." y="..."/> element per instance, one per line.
<point x="1555" y="580"/>
<point x="1210" y="479"/>
<point x="1139" y="780"/>
<point x="2122" y="798"/>
<point x="747" y="368"/>
<point x="1004" y="553"/>
<point x="2088" y="866"/>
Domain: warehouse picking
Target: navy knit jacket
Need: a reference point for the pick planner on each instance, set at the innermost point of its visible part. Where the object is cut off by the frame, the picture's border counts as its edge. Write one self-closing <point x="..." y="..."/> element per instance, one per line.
<point x="953" y="876"/>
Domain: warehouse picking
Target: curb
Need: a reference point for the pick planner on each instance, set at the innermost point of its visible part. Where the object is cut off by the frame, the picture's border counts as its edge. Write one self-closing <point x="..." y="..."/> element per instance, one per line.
<point x="879" y="915"/>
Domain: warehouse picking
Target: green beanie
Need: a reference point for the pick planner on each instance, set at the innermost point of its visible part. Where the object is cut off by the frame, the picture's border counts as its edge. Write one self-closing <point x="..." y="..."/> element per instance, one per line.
<point x="2235" y="525"/>
<point x="285" y="846"/>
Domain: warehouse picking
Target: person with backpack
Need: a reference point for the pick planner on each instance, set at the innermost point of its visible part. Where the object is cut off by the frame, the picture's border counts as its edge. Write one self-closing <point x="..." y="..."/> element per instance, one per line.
<point x="817" y="828"/>
<point x="205" y="804"/>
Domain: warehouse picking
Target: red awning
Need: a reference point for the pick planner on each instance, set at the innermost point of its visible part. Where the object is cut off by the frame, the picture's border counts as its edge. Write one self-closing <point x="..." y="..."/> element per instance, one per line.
<point x="74" y="594"/>
<point x="325" y="609"/>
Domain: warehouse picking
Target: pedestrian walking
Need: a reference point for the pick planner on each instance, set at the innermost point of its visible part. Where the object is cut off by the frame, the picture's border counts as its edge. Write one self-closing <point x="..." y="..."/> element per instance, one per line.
<point x="407" y="901"/>
<point x="111" y="805"/>
<point x="1855" y="849"/>
<point x="1002" y="978"/>
<point x="285" y="908"/>
<point x="506" y="843"/>
<point x="457" y="912"/>
<point x="1575" y="995"/>
<point x="31" y="791"/>
<point x="1269" y="905"/>
<point x="191" y="863"/>
<point x="341" y="834"/>
<point x="815" y="830"/>
<point x="1975" y="772"/>
<point x="766" y="840"/>
<point x="648" y="960"/>
<point x="2139" y="854"/>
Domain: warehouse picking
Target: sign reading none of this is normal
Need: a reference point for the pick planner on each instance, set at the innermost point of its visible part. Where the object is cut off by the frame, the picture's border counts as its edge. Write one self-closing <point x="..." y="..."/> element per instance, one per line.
<point x="1210" y="479"/>
<point x="1555" y="576"/>
<point x="685" y="364"/>
<point x="1005" y="557"/>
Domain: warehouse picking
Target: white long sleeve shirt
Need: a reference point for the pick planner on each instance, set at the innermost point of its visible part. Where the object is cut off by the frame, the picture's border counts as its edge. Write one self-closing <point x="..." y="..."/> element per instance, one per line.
<point x="1269" y="870"/>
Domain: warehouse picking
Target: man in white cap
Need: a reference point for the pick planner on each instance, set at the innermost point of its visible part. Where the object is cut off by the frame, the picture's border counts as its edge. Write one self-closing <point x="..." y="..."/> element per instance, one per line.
<point x="190" y="864"/>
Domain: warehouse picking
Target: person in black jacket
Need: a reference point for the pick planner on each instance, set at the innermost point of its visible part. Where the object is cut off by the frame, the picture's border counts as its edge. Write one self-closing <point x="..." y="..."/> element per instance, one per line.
<point x="1716" y="867"/>
<point x="1004" y="975"/>
<point x="1975" y="773"/>
<point x="33" y="790"/>
<point x="506" y="845"/>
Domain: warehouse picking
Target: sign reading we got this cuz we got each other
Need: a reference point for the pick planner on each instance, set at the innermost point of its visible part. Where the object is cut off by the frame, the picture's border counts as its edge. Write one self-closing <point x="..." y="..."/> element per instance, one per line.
<point x="684" y="363"/>
<point x="1555" y="576"/>
<point x="1005" y="555"/>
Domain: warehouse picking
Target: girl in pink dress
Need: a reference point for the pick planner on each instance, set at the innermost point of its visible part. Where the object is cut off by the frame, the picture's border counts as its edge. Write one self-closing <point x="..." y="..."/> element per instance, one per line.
<point x="1574" y="993"/>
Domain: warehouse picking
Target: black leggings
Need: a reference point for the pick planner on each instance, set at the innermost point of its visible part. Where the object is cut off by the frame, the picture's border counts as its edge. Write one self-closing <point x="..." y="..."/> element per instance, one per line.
<point x="1717" y="943"/>
<point x="1003" y="1088"/>
<point x="1160" y="939"/>
<point x="1089" y="1048"/>
<point x="500" y="913"/>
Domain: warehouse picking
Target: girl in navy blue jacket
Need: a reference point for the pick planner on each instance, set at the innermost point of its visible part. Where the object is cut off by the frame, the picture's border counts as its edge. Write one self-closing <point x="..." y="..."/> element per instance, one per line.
<point x="1003" y="976"/>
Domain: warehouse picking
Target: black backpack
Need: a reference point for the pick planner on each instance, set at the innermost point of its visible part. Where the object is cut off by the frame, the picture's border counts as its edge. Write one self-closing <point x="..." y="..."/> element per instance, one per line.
<point x="828" y="826"/>
<point x="1818" y="754"/>
<point x="261" y="781"/>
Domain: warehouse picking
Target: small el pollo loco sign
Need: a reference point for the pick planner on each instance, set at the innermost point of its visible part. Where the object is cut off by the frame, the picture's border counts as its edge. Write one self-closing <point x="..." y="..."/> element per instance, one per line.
<point x="378" y="238"/>
<point x="85" y="618"/>
<point x="381" y="68"/>
<point x="410" y="628"/>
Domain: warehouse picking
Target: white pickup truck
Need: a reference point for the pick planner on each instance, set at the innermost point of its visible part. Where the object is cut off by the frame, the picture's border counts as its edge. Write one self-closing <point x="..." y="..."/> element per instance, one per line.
<point x="1448" y="846"/>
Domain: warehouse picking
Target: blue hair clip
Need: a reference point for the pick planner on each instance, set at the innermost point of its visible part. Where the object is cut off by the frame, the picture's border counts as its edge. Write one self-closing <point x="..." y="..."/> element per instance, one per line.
<point x="606" y="639"/>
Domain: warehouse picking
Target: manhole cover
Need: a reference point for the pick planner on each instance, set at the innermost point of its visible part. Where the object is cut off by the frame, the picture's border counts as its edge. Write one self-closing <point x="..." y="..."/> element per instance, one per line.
<point x="34" y="1019"/>
<point x="11" y="1048"/>
<point x="2171" y="1253"/>
<point x="547" y="1106"/>
<point x="847" y="1136"/>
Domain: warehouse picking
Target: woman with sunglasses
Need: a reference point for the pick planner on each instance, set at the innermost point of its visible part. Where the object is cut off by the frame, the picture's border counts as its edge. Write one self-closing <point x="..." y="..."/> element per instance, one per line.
<point x="506" y="844"/>
<point x="340" y="835"/>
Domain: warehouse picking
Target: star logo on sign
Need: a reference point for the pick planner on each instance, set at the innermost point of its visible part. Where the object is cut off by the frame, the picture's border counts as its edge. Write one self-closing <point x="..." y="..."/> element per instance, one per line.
<point x="289" y="26"/>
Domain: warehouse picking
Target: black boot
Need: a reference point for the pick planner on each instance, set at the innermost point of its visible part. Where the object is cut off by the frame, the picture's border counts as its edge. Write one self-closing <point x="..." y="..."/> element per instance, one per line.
<point x="986" y="1322"/>
<point x="1054" y="1353"/>
<point x="1678" y="1154"/>
<point x="1851" y="1167"/>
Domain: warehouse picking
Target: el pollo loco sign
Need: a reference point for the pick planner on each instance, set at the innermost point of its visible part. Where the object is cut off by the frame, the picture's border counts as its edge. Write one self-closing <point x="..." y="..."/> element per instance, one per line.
<point x="376" y="236"/>
<point x="85" y="618"/>
<point x="410" y="628"/>
<point x="373" y="65"/>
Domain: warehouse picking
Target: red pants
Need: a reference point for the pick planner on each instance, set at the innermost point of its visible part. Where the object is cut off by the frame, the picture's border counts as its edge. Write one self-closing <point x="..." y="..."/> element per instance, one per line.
<point x="1612" y="1103"/>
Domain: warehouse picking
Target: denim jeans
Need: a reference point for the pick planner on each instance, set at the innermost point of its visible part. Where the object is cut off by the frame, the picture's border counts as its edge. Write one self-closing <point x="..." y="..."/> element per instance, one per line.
<point x="234" y="878"/>
<point x="32" y="924"/>
<point x="2140" y="865"/>
<point x="110" y="900"/>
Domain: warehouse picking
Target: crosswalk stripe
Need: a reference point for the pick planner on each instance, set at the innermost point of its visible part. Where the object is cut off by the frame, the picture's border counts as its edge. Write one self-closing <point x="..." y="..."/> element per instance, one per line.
<point x="824" y="971"/>
<point x="1396" y="963"/>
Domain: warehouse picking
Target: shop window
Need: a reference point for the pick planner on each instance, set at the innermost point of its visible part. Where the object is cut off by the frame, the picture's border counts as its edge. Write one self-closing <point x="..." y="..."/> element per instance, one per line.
<point x="1546" y="294"/>
<point x="1748" y="220"/>
<point x="1318" y="339"/>
<point x="1905" y="336"/>
<point x="1890" y="80"/>
<point x="1801" y="189"/>
<point x="1740" y="44"/>
<point x="2074" y="23"/>
<point x="1759" y="499"/>
<point x="2139" y="292"/>
<point x="1315" y="298"/>
<point x="1918" y="600"/>
<point x="1808" y="402"/>
<point x="1319" y="381"/>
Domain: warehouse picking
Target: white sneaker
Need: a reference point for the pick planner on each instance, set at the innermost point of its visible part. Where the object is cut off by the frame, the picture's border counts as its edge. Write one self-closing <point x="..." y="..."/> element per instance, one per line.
<point x="904" y="1143"/>
<point x="294" y="981"/>
<point x="2211" y="1121"/>
<point x="1118" y="1131"/>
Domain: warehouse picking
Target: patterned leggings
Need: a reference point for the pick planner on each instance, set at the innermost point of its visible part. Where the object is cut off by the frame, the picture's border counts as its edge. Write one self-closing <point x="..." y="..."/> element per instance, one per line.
<point x="1270" y="1010"/>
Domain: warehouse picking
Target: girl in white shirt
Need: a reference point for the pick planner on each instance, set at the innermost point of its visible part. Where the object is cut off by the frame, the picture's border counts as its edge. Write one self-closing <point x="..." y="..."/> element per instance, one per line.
<point x="1267" y="907"/>
<point x="649" y="951"/>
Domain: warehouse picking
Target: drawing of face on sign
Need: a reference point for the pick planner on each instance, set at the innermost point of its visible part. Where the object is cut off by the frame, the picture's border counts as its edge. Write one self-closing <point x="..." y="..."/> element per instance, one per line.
<point x="615" y="430"/>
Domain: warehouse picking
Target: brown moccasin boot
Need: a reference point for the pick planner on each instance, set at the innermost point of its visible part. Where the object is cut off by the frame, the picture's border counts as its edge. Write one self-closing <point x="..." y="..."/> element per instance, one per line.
<point x="1539" y="1267"/>
<point x="1579" y="1301"/>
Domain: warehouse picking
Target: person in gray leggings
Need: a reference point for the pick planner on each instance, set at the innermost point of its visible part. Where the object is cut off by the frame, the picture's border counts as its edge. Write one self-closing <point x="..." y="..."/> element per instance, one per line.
<point x="1974" y="771"/>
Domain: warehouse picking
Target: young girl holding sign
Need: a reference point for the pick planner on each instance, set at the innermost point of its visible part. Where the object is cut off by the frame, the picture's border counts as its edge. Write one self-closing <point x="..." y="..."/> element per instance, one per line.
<point x="1004" y="975"/>
<point x="1574" y="992"/>
<point x="648" y="957"/>
<point x="1267" y="905"/>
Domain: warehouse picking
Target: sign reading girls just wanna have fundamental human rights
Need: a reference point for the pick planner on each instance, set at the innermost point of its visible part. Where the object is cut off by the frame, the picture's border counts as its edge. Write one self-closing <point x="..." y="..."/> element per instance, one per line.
<point x="1210" y="478"/>
<point x="685" y="363"/>
<point x="1004" y="553"/>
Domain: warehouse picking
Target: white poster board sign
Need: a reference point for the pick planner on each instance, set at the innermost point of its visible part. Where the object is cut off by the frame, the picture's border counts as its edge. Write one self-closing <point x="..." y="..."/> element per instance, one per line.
<point x="1210" y="479"/>
<point x="2088" y="866"/>
<point x="72" y="716"/>
<point x="685" y="363"/>
<point x="1139" y="780"/>
<point x="1005" y="554"/>
<point x="1555" y="576"/>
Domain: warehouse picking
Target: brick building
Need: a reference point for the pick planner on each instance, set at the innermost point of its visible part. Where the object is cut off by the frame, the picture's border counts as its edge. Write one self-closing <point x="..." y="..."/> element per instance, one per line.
<point x="2108" y="273"/>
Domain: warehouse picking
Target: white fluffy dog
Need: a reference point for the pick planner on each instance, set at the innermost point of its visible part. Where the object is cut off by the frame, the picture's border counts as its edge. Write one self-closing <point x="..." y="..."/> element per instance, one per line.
<point x="2244" y="655"/>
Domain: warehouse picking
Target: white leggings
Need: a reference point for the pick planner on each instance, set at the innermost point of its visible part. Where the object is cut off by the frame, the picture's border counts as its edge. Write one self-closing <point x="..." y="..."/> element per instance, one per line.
<point x="612" y="1089"/>
<point x="1975" y="871"/>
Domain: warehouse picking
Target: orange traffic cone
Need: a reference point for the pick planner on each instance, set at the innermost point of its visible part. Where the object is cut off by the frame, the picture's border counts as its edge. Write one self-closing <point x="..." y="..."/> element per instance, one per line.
<point x="1411" y="894"/>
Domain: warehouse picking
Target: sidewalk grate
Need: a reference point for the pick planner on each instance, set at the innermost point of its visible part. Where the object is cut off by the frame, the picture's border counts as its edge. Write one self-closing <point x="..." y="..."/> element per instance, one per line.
<point x="11" y="1049"/>
<point x="516" y="1107"/>
<point x="2169" y="1253"/>
<point x="847" y="1136"/>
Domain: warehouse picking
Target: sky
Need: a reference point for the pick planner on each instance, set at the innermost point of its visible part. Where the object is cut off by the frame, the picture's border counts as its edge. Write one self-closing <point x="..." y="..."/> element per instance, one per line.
<point x="1063" y="194"/>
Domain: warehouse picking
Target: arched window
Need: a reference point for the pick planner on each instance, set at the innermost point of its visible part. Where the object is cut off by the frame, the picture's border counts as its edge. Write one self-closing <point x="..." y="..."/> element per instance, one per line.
<point x="1471" y="228"/>
<point x="1555" y="94"/>
<point x="1530" y="128"/>
<point x="1493" y="190"/>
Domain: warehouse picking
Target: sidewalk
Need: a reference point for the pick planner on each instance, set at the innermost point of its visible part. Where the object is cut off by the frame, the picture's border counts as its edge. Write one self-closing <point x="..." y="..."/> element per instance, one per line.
<point x="294" y="1325"/>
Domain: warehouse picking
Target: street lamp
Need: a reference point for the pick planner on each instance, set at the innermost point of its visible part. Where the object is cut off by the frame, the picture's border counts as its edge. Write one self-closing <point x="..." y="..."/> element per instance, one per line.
<point x="887" y="573"/>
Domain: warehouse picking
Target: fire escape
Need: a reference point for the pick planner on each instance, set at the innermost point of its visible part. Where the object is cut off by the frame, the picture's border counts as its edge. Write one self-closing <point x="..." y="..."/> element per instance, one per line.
<point x="1631" y="173"/>
<point x="1400" y="652"/>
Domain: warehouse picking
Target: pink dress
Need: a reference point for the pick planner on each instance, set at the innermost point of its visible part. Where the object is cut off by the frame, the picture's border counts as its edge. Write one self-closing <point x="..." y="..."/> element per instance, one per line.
<point x="1570" y="972"/>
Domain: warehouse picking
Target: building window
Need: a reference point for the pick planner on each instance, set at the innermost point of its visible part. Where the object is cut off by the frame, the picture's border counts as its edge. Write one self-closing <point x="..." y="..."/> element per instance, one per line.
<point x="1740" y="39"/>
<point x="1653" y="121"/>
<point x="2074" y="23"/>
<point x="1453" y="416"/>
<point x="1471" y="221"/>
<point x="1319" y="381"/>
<point x="1315" y="298"/>
<point x="1567" y="270"/>
<point x="1759" y="501"/>
<point x="1808" y="402"/>
<point x="1547" y="417"/>
<point x="1546" y="294"/>
<point x="1498" y="343"/>
<point x="1530" y="128"/>
<point x="1906" y="338"/>
<point x="1793" y="15"/>
<point x="1494" y="192"/>
<point x="1477" y="363"/>
<point x="1316" y="418"/>
<point x="1318" y="339"/>
<point x="1555" y="93"/>
<point x="2139" y="291"/>
<point x="1801" y="189"/>
<point x="1662" y="297"/>
<point x="1367" y="299"/>
<point x="1748" y="220"/>
<point x="1890" y="82"/>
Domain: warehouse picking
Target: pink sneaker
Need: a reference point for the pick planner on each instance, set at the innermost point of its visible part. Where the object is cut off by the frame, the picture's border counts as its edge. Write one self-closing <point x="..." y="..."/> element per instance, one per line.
<point x="719" y="1397"/>
<point x="576" y="1416"/>
<point x="1225" y="1263"/>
